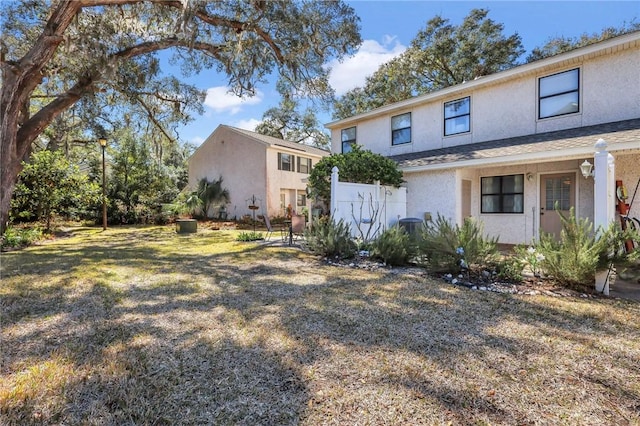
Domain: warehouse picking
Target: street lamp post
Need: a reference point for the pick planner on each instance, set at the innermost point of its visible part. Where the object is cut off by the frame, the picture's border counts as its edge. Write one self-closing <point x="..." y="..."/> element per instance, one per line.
<point x="103" y="144"/>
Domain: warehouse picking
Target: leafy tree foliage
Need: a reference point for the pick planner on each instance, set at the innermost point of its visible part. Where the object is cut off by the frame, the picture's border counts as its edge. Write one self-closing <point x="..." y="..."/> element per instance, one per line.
<point x="48" y="185"/>
<point x="285" y="122"/>
<point x="359" y="165"/>
<point x="137" y="183"/>
<point x="93" y="57"/>
<point x="440" y="55"/>
<point x="557" y="45"/>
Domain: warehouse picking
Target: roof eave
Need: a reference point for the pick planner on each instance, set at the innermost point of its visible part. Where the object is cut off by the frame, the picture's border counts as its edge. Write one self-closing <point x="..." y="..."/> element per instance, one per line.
<point x="524" y="158"/>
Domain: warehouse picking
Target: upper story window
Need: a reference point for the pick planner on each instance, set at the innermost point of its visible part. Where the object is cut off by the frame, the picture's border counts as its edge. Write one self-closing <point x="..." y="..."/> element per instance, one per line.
<point x="348" y="137"/>
<point x="401" y="129"/>
<point x="457" y="116"/>
<point x="285" y="162"/>
<point x="559" y="94"/>
<point x="304" y="165"/>
<point x="502" y="194"/>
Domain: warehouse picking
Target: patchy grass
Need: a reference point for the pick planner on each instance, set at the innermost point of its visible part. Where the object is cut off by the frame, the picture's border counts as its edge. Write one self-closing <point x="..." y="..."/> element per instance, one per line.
<point x="140" y="325"/>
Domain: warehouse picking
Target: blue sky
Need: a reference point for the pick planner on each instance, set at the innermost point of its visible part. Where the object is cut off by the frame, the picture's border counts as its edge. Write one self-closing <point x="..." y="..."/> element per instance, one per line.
<point x="387" y="27"/>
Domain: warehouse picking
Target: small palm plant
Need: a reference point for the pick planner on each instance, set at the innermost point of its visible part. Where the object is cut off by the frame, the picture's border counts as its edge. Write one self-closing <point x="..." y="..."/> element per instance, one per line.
<point x="212" y="194"/>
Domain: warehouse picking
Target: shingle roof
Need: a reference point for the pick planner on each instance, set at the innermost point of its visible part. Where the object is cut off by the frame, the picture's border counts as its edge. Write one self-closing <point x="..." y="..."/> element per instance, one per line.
<point x="555" y="144"/>
<point x="272" y="141"/>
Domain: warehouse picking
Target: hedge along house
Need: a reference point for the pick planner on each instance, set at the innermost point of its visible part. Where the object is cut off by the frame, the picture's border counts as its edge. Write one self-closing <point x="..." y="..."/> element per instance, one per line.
<point x="505" y="148"/>
<point x="272" y="170"/>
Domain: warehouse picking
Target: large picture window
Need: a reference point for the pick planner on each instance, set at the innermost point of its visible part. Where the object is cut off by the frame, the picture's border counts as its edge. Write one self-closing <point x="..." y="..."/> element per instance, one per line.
<point x="285" y="162"/>
<point x="559" y="94"/>
<point x="348" y="137"/>
<point x="401" y="129"/>
<point x="304" y="165"/>
<point x="502" y="194"/>
<point x="457" y="116"/>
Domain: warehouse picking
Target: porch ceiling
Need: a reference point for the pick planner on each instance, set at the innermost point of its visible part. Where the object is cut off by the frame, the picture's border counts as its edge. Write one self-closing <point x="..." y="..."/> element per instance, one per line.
<point x="562" y="144"/>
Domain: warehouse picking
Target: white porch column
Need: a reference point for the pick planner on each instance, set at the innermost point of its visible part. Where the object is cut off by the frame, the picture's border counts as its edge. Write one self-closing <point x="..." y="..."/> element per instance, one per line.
<point x="334" y="190"/>
<point x="604" y="207"/>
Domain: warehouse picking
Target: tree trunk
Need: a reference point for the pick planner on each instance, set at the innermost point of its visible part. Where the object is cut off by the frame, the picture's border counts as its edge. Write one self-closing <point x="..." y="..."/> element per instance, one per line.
<point x="19" y="79"/>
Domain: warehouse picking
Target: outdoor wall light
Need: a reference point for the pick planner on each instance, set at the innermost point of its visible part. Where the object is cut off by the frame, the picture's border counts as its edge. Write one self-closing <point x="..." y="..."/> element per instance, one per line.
<point x="587" y="169"/>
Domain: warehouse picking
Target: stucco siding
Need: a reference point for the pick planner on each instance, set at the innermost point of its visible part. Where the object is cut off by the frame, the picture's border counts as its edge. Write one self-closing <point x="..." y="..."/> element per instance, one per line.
<point x="432" y="192"/>
<point x="628" y="171"/>
<point x="240" y="162"/>
<point x="612" y="88"/>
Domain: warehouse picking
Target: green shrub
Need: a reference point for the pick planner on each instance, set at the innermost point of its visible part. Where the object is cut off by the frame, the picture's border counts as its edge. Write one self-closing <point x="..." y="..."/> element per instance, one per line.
<point x="443" y="246"/>
<point x="20" y="237"/>
<point x="328" y="238"/>
<point x="510" y="269"/>
<point x="574" y="259"/>
<point x="249" y="236"/>
<point x="394" y="247"/>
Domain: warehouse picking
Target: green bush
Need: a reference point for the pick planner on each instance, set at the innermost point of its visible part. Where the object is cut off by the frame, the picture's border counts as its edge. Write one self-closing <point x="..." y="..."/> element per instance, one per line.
<point x="20" y="237"/>
<point x="249" y="236"/>
<point x="574" y="259"/>
<point x="394" y="247"/>
<point x="328" y="238"/>
<point x="510" y="269"/>
<point x="444" y="246"/>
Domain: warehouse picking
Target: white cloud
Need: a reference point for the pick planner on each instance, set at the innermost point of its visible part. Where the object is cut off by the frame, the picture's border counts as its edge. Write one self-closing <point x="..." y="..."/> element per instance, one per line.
<point x="248" y="124"/>
<point x="197" y="140"/>
<point x="221" y="100"/>
<point x="351" y="72"/>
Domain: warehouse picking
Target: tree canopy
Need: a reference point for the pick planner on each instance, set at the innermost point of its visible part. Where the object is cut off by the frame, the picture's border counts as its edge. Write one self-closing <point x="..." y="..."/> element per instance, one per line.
<point x="96" y="55"/>
<point x="439" y="56"/>
<point x="358" y="165"/>
<point x="286" y="122"/>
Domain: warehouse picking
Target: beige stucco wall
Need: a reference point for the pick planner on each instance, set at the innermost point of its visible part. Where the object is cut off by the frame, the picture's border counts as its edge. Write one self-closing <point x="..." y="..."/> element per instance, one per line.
<point x="432" y="192"/>
<point x="240" y="162"/>
<point x="628" y="170"/>
<point x="281" y="180"/>
<point x="609" y="91"/>
<point x="249" y="168"/>
<point x="440" y="193"/>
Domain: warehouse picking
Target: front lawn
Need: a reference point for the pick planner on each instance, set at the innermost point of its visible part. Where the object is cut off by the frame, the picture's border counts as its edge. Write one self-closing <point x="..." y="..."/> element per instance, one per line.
<point x="140" y="325"/>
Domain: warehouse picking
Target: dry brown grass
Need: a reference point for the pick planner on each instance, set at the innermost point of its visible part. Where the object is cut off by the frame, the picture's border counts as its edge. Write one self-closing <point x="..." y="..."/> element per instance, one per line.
<point x="142" y="326"/>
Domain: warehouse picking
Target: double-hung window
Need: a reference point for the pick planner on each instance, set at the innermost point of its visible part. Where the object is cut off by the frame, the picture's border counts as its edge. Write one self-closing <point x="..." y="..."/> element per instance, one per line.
<point x="285" y="162"/>
<point x="401" y="129"/>
<point x="457" y="116"/>
<point x="304" y="165"/>
<point x="502" y="194"/>
<point x="559" y="94"/>
<point x="348" y="137"/>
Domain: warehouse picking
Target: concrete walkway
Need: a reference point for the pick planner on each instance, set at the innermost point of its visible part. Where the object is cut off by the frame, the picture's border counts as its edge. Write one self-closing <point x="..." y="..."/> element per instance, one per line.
<point x="625" y="289"/>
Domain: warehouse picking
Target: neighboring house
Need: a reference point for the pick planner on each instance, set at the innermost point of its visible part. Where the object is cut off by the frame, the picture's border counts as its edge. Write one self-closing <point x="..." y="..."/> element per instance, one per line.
<point x="506" y="147"/>
<point x="272" y="170"/>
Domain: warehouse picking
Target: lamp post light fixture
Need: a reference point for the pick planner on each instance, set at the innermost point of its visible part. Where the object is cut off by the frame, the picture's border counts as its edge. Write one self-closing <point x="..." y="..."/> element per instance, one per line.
<point x="103" y="144"/>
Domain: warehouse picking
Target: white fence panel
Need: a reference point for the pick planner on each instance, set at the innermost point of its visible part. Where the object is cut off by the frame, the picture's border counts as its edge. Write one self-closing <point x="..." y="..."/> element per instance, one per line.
<point x="369" y="209"/>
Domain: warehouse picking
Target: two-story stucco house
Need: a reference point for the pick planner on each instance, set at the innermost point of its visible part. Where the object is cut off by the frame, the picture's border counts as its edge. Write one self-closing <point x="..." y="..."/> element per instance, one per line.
<point x="504" y="148"/>
<point x="272" y="170"/>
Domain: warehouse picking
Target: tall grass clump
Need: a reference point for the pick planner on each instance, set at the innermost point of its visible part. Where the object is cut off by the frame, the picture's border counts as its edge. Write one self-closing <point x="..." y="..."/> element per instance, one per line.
<point x="573" y="259"/>
<point x="394" y="247"/>
<point x="330" y="238"/>
<point x="444" y="247"/>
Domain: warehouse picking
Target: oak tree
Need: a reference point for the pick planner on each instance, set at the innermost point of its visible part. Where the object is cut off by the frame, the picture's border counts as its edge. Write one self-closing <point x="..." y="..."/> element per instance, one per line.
<point x="59" y="53"/>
